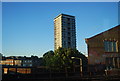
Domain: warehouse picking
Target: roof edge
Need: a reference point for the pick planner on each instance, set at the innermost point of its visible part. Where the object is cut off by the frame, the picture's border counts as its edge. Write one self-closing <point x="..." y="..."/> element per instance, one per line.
<point x="64" y="15"/>
<point x="86" y="39"/>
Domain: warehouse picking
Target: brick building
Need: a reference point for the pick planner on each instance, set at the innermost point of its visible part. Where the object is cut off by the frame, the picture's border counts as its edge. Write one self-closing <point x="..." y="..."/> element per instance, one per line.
<point x="104" y="48"/>
<point x="18" y="64"/>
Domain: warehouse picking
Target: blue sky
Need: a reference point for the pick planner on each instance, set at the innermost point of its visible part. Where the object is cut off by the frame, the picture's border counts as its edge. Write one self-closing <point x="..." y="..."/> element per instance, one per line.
<point x="60" y="0"/>
<point x="28" y="27"/>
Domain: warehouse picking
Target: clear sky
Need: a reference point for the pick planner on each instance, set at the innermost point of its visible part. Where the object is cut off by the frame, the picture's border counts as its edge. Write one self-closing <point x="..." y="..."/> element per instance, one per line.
<point x="28" y="27"/>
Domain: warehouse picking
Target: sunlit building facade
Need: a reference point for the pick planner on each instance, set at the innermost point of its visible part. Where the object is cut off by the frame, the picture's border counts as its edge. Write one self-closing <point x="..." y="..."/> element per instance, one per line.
<point x="64" y="31"/>
<point x="23" y="65"/>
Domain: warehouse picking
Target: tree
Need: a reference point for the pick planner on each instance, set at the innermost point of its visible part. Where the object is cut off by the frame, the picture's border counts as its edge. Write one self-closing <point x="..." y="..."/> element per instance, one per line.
<point x="48" y="58"/>
<point x="64" y="56"/>
<point x="61" y="58"/>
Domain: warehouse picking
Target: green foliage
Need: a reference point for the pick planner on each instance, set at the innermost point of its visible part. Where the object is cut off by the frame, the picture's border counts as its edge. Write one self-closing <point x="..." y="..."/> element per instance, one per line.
<point x="61" y="58"/>
<point x="48" y="58"/>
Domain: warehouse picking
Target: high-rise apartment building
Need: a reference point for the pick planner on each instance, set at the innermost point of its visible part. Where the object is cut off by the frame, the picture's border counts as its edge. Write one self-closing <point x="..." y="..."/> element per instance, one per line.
<point x="64" y="31"/>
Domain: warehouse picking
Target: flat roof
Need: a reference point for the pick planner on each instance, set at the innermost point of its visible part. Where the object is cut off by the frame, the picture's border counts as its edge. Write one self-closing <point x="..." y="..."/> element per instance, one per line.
<point x="64" y="15"/>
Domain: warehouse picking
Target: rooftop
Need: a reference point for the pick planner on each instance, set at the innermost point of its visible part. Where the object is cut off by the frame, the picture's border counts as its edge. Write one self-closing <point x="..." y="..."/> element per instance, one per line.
<point x="118" y="26"/>
<point x="64" y="15"/>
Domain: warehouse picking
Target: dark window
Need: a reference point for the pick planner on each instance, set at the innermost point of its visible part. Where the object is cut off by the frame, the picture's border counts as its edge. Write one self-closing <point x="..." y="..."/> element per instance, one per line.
<point x="69" y="44"/>
<point x="110" y="46"/>
<point x="64" y="43"/>
<point x="68" y="33"/>
<point x="68" y="24"/>
<point x="68" y="19"/>
<point x="68" y="28"/>
<point x="69" y="38"/>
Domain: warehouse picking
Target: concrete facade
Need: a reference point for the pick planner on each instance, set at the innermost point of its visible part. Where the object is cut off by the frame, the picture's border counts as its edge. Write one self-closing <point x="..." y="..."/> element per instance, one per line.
<point x="64" y="31"/>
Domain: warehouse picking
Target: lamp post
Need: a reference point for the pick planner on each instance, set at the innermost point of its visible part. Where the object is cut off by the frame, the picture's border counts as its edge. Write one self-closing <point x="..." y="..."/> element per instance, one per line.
<point x="79" y="63"/>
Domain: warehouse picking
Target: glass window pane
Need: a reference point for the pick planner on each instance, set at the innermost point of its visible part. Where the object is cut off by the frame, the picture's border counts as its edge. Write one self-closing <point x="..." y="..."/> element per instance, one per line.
<point x="106" y="45"/>
<point x="114" y="47"/>
<point x="110" y="46"/>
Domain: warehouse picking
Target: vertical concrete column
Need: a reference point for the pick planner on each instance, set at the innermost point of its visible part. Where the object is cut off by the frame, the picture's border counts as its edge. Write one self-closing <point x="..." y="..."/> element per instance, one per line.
<point x="80" y="66"/>
<point x="113" y="61"/>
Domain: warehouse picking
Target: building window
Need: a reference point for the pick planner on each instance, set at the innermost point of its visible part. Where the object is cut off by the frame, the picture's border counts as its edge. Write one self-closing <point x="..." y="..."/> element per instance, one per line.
<point x="110" y="46"/>
<point x="68" y="28"/>
<point x="68" y="19"/>
<point x="68" y="33"/>
<point x="68" y="24"/>
<point x="69" y="44"/>
<point x="30" y="65"/>
<point x="69" y="38"/>
<point x="24" y="64"/>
